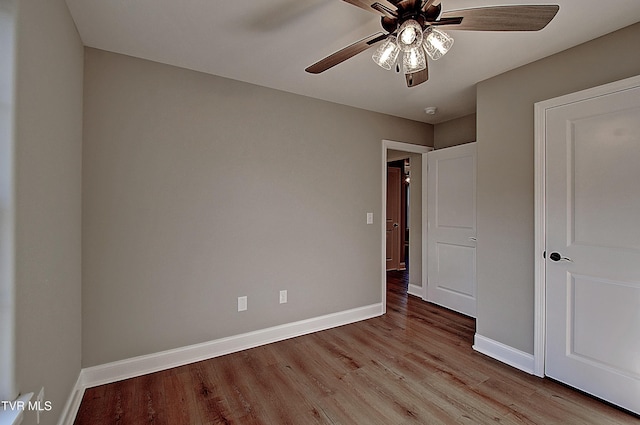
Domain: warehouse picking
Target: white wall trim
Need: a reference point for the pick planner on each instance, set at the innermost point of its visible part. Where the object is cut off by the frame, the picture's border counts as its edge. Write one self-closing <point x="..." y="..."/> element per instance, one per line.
<point x="415" y="290"/>
<point x="141" y="365"/>
<point x="540" y="204"/>
<point x="404" y="147"/>
<point x="72" y="405"/>
<point x="425" y="225"/>
<point x="539" y="320"/>
<point x="504" y="353"/>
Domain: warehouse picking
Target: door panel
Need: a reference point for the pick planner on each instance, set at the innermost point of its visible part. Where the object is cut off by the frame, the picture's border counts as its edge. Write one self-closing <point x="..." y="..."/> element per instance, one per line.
<point x="452" y="228"/>
<point x="590" y="335"/>
<point x="455" y="189"/>
<point x="592" y="212"/>
<point x="455" y="281"/>
<point x="604" y="175"/>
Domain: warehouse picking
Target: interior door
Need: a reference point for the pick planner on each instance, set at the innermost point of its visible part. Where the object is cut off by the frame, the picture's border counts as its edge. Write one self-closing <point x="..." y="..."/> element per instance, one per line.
<point x="393" y="217"/>
<point x="451" y="233"/>
<point x="593" y="246"/>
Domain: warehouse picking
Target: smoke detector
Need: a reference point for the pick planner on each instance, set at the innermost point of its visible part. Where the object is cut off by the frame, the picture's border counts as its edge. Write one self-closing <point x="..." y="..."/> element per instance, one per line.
<point x="430" y="110"/>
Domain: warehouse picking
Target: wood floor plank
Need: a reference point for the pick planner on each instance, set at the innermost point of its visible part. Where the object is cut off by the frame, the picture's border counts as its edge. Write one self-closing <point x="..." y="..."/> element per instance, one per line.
<point x="181" y="406"/>
<point x="241" y="389"/>
<point x="211" y="403"/>
<point x="414" y="365"/>
<point x="309" y="375"/>
<point x="93" y="397"/>
<point x="149" y="405"/>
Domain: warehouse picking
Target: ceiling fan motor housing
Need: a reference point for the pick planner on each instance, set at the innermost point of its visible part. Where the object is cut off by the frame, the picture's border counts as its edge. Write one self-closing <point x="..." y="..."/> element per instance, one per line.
<point x="391" y="25"/>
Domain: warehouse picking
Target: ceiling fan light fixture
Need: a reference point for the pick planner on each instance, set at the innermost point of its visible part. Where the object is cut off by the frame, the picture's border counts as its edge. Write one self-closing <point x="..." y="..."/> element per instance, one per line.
<point x="412" y="27"/>
<point x="413" y="61"/>
<point x="387" y="54"/>
<point x="436" y="43"/>
<point x="409" y="35"/>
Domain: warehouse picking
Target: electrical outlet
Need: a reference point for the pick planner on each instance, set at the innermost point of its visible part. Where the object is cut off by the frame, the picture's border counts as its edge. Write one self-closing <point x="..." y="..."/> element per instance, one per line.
<point x="40" y="404"/>
<point x="369" y="218"/>
<point x="283" y="296"/>
<point x="242" y="303"/>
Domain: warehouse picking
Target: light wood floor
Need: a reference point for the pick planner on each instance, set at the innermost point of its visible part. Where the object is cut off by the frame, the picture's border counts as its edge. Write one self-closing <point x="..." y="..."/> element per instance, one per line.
<point x="414" y="365"/>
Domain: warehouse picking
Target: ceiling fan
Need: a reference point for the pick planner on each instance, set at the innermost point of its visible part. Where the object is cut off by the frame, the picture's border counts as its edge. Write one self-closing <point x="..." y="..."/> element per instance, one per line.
<point x="413" y="28"/>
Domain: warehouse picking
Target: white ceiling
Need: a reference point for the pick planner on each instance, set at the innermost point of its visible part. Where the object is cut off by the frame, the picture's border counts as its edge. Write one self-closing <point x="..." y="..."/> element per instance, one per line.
<point x="271" y="42"/>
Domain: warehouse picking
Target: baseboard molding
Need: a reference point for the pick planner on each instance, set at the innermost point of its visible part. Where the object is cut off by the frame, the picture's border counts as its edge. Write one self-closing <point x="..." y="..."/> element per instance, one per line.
<point x="504" y="353"/>
<point x="137" y="366"/>
<point x="141" y="365"/>
<point x="72" y="405"/>
<point x="415" y="290"/>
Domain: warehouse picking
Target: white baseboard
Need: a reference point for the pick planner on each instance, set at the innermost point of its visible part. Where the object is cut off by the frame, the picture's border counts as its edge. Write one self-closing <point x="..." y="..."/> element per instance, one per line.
<point x="415" y="290"/>
<point x="137" y="366"/>
<point x="72" y="405"/>
<point x="504" y="353"/>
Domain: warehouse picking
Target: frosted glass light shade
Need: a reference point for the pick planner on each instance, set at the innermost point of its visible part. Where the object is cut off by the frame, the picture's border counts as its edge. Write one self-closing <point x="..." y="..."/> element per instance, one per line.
<point x="437" y="43"/>
<point x="387" y="54"/>
<point x="409" y="35"/>
<point x="413" y="61"/>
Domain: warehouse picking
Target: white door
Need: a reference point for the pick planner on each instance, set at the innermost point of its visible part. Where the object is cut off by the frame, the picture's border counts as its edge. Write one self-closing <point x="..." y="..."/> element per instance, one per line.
<point x="593" y="245"/>
<point x="451" y="234"/>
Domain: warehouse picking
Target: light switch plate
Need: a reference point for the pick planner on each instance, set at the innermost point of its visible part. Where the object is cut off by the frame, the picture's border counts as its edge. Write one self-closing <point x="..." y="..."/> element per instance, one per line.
<point x="369" y="218"/>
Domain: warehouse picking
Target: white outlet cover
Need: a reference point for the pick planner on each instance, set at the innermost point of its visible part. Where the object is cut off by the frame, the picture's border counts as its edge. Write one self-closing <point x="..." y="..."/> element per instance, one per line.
<point x="242" y="303"/>
<point x="283" y="296"/>
<point x="369" y="218"/>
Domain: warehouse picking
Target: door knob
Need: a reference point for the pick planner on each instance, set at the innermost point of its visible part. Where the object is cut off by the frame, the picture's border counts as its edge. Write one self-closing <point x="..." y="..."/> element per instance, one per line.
<point x="395" y="224"/>
<point x="555" y="256"/>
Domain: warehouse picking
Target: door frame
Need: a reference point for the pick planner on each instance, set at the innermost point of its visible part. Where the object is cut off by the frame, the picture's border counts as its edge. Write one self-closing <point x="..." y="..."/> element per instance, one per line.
<point x="411" y="148"/>
<point x="539" y="336"/>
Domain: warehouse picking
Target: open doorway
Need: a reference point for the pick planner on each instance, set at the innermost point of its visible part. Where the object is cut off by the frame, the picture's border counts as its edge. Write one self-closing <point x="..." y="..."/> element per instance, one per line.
<point x="402" y="219"/>
<point x="398" y="220"/>
<point x="398" y="210"/>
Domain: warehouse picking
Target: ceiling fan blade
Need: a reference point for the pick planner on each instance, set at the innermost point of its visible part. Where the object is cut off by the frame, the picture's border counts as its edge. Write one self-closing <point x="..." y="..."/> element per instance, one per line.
<point x="389" y="13"/>
<point x="503" y="18"/>
<point x="431" y="9"/>
<point x="417" y="77"/>
<point x="369" y="6"/>
<point x="447" y="21"/>
<point x="346" y="53"/>
<point x="426" y="4"/>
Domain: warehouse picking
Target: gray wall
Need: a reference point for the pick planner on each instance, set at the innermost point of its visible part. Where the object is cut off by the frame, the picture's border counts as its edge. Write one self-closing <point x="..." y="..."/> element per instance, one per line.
<point x="48" y="154"/>
<point x="455" y="132"/>
<point x="505" y="209"/>
<point x="199" y="189"/>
